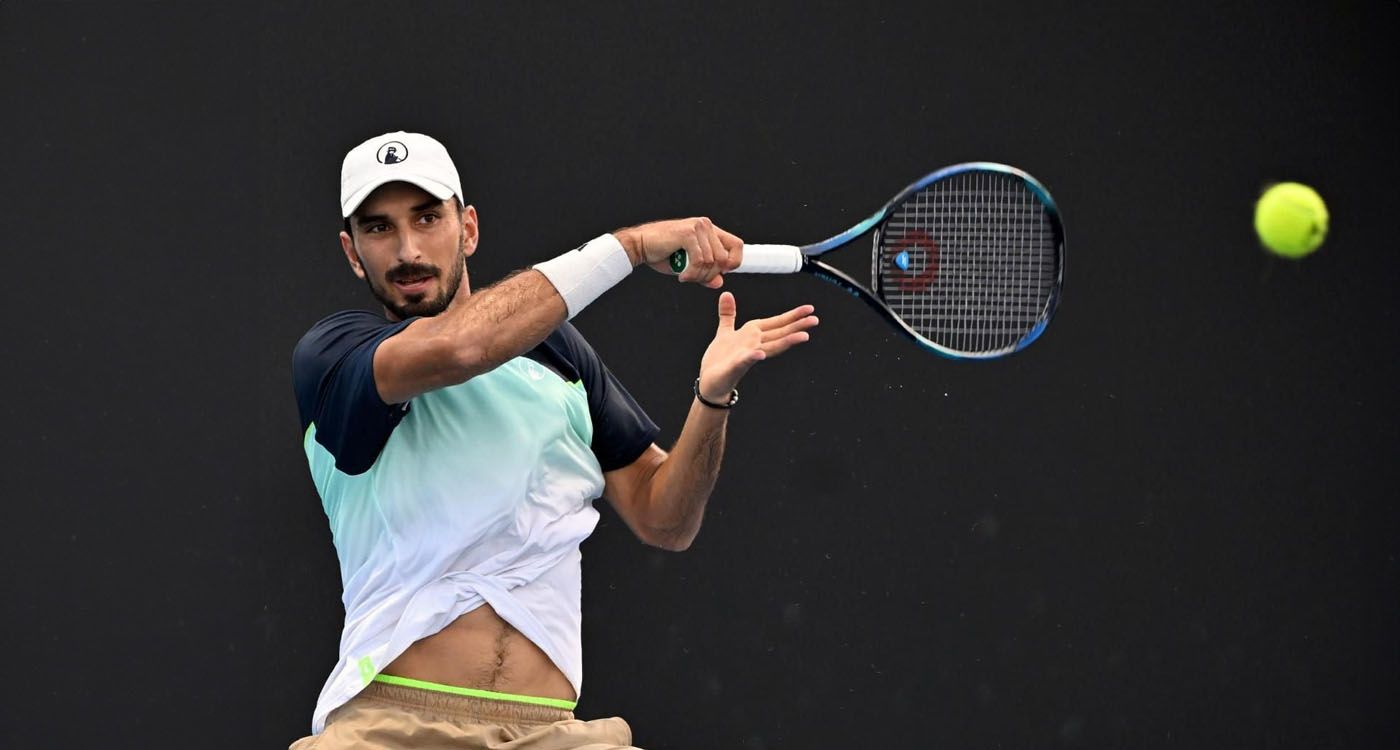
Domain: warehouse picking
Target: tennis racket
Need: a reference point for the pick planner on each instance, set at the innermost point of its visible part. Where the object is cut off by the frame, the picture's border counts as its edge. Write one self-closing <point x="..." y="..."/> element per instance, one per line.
<point x="968" y="261"/>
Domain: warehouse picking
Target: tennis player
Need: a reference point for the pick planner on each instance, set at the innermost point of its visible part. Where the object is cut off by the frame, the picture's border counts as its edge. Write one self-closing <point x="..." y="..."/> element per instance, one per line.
<point x="458" y="441"/>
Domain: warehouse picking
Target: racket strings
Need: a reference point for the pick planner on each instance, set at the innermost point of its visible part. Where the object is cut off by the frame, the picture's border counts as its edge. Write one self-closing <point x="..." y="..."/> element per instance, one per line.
<point x="969" y="262"/>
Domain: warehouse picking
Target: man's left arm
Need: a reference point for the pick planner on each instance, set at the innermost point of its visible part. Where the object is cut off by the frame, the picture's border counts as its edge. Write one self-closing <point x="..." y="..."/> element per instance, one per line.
<point x="662" y="496"/>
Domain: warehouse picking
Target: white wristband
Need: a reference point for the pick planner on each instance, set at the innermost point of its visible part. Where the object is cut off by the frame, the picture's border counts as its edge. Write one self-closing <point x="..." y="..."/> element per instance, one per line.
<point x="581" y="275"/>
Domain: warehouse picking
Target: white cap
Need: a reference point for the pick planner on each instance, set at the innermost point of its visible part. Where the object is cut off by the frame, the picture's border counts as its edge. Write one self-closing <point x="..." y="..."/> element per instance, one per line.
<point x="397" y="157"/>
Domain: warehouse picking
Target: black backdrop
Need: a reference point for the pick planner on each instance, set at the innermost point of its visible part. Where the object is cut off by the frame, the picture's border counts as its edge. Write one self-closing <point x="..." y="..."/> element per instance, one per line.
<point x="1170" y="523"/>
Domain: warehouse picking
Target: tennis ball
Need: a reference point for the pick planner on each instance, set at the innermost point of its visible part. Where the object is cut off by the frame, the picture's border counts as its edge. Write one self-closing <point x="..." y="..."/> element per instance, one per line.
<point x="1291" y="219"/>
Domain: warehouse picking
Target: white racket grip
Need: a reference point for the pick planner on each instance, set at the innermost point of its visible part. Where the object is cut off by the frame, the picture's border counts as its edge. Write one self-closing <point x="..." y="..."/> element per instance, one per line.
<point x="770" y="259"/>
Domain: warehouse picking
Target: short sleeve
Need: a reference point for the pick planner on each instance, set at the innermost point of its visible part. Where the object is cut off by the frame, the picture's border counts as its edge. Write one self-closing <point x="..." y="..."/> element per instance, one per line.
<point x="333" y="375"/>
<point x="621" y="428"/>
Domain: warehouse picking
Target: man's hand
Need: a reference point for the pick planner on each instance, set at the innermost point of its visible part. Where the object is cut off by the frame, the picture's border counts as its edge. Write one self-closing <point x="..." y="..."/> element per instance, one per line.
<point x="711" y="251"/>
<point x="735" y="350"/>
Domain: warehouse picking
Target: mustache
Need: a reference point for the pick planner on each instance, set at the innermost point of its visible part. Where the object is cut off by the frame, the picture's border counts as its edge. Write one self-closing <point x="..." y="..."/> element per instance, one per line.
<point x="410" y="271"/>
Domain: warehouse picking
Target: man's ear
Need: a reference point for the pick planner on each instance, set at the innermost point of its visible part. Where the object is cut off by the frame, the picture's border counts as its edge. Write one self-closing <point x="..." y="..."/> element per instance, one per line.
<point x="471" y="230"/>
<point x="347" y="245"/>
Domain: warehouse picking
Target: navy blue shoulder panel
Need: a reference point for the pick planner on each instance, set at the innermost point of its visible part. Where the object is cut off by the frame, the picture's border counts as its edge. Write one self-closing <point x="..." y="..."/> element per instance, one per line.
<point x="333" y="375"/>
<point x="621" y="428"/>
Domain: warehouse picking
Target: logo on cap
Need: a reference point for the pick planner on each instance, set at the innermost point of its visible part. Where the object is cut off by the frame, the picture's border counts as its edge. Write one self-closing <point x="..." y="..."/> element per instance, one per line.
<point x="392" y="152"/>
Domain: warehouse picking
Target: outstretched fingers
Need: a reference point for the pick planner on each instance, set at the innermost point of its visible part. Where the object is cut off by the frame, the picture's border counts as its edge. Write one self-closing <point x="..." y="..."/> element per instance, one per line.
<point x="801" y="324"/>
<point x="778" y="321"/>
<point x="782" y="332"/>
<point x="778" y="346"/>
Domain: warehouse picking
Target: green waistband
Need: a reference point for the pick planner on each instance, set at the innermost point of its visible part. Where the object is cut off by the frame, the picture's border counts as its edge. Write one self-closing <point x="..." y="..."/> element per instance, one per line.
<point x="474" y="693"/>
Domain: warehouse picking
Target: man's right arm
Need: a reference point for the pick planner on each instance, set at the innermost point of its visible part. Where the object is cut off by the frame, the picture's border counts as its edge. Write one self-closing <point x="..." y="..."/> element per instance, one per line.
<point x="475" y="334"/>
<point x="480" y="331"/>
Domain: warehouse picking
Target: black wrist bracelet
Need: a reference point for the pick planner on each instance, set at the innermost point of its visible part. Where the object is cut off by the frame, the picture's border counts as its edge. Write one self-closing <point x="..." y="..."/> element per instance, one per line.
<point x="733" y="398"/>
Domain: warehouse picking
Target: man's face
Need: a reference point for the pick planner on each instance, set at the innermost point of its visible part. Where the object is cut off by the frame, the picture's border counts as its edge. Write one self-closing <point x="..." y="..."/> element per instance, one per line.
<point x="411" y="248"/>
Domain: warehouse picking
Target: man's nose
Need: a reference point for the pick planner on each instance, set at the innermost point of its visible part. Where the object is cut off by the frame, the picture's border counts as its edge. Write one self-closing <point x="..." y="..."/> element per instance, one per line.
<point x="410" y="248"/>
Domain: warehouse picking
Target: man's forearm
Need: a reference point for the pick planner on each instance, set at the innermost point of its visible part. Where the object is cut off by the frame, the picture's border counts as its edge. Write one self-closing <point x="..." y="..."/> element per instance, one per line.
<point x="481" y="331"/>
<point x="505" y="320"/>
<point x="684" y="481"/>
<point x="501" y="321"/>
<point x="474" y="335"/>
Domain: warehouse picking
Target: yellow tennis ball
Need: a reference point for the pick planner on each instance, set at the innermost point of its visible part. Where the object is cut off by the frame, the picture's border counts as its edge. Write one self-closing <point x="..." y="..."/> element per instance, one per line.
<point x="1291" y="219"/>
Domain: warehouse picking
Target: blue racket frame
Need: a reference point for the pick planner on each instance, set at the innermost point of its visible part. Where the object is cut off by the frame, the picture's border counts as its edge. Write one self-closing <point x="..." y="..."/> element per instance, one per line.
<point x="876" y="222"/>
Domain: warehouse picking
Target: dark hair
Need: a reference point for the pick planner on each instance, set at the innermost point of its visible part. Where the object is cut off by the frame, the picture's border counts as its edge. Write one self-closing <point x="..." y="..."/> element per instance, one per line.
<point x="455" y="201"/>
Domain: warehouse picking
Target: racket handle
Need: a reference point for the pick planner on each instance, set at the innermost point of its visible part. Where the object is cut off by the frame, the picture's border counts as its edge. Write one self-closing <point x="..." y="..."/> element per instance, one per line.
<point x="757" y="259"/>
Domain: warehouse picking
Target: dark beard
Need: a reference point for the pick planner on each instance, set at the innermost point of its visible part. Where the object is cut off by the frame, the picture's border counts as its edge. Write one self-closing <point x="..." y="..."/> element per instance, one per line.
<point x="423" y="307"/>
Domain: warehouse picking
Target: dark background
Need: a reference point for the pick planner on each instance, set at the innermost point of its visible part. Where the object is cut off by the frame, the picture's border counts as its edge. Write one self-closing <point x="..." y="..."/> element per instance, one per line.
<point x="1170" y="523"/>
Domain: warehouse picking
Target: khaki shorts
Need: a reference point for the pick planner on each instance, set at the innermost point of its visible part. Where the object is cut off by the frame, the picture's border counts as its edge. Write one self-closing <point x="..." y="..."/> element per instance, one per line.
<point x="394" y="717"/>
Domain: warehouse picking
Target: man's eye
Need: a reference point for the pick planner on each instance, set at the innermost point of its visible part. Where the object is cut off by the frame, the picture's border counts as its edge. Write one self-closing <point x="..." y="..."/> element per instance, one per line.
<point x="375" y="228"/>
<point x="428" y="218"/>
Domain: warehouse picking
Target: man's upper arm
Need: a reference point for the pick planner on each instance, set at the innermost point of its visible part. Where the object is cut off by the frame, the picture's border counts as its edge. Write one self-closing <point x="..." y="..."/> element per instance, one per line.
<point x="414" y="361"/>
<point x="333" y="372"/>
